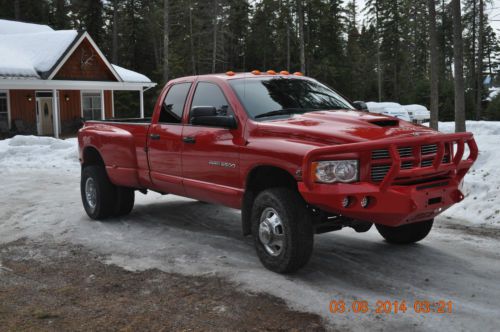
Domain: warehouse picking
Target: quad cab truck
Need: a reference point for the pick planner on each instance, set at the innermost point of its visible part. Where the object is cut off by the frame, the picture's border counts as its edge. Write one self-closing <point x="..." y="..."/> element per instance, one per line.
<point x="294" y="155"/>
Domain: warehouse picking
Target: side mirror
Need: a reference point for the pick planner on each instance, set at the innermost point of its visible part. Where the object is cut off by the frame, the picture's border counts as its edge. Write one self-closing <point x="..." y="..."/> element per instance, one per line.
<point x="360" y="106"/>
<point x="207" y="116"/>
<point x="203" y="111"/>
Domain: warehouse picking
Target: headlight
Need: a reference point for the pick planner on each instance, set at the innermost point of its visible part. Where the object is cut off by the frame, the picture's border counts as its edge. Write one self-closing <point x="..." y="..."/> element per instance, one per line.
<point x="335" y="171"/>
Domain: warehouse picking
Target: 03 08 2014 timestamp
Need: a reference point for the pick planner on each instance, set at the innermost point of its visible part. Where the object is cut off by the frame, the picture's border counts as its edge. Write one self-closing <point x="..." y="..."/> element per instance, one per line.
<point x="391" y="307"/>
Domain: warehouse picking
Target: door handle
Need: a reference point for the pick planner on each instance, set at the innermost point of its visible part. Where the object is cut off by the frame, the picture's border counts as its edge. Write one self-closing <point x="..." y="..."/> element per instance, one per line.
<point x="154" y="136"/>
<point x="189" y="140"/>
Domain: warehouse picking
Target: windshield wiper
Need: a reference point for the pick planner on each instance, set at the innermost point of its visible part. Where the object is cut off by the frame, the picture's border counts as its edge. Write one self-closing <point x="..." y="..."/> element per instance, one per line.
<point x="284" y="111"/>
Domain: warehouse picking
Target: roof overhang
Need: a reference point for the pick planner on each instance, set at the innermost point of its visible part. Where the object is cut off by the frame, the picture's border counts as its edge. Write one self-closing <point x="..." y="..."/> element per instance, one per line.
<point x="35" y="84"/>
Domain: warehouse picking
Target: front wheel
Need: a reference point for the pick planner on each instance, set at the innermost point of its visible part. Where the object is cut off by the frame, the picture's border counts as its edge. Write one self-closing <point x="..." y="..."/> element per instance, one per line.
<point x="406" y="234"/>
<point x="282" y="230"/>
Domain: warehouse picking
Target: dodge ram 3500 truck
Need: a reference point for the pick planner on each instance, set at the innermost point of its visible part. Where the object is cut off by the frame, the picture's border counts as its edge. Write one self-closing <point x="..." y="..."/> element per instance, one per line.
<point x="291" y="153"/>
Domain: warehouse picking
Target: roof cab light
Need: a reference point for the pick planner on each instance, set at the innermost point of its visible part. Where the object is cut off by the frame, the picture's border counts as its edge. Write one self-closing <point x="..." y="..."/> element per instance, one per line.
<point x="345" y="171"/>
<point x="298" y="73"/>
<point x="256" y="72"/>
<point x="230" y="73"/>
<point x="284" y="72"/>
<point x="271" y="72"/>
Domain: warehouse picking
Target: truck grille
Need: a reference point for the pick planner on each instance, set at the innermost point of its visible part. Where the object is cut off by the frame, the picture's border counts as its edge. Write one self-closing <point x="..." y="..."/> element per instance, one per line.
<point x="427" y="157"/>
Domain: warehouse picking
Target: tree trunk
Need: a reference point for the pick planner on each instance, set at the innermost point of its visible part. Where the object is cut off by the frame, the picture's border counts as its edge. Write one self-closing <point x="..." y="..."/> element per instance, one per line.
<point x="379" y="64"/>
<point x="434" y="108"/>
<point x="191" y="41"/>
<point x="214" y="37"/>
<point x="479" y="73"/>
<point x="17" y="10"/>
<point x="114" y="46"/>
<point x="300" y="14"/>
<point x="166" y="39"/>
<point x="458" y="59"/>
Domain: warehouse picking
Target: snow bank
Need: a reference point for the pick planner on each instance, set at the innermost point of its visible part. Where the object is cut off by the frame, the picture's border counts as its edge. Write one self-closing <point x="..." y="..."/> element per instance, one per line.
<point x="33" y="152"/>
<point x="481" y="205"/>
<point x="131" y="76"/>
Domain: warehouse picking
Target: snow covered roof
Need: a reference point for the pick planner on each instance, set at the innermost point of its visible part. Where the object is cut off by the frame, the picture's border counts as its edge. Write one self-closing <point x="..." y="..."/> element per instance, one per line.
<point x="32" y="51"/>
<point x="14" y="27"/>
<point x="131" y="76"/>
<point x="33" y="54"/>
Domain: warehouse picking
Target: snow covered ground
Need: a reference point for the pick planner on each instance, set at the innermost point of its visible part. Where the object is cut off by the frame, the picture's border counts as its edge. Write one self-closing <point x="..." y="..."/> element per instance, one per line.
<point x="40" y="199"/>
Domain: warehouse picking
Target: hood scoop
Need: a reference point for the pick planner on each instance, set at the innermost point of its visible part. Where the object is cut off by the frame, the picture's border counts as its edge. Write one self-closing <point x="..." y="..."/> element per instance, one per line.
<point x="385" y="123"/>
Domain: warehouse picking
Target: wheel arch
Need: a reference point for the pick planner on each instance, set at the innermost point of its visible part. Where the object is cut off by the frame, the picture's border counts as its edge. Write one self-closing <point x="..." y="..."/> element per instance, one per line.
<point x="259" y="178"/>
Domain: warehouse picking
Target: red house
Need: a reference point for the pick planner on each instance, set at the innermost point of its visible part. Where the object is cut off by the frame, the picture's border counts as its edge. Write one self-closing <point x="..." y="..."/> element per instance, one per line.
<point x="50" y="79"/>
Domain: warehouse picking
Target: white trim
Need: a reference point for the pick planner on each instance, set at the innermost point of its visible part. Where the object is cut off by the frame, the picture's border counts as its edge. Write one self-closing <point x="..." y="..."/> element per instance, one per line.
<point x="27" y="84"/>
<point x="85" y="35"/>
<point x="141" y="103"/>
<point x="55" y="113"/>
<point x="103" y="106"/>
<point x="112" y="103"/>
<point x="9" y="119"/>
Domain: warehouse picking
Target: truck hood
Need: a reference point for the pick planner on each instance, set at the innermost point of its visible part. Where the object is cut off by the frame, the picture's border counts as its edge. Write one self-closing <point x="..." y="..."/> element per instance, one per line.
<point x="340" y="126"/>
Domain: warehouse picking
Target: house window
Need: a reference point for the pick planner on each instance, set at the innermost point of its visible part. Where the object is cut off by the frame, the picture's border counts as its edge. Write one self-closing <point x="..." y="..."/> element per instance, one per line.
<point x="91" y="105"/>
<point x="4" y="111"/>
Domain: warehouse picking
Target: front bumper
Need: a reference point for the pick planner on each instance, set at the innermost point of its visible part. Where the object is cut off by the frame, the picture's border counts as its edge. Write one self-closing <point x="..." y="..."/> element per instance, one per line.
<point x="395" y="206"/>
<point x="394" y="202"/>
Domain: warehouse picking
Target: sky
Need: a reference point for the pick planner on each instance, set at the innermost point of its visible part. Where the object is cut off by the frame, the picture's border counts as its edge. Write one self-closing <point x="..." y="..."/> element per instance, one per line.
<point x="492" y="9"/>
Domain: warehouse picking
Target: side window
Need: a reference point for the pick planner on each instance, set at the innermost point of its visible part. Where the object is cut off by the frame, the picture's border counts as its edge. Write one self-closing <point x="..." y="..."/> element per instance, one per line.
<point x="173" y="105"/>
<point x="209" y="94"/>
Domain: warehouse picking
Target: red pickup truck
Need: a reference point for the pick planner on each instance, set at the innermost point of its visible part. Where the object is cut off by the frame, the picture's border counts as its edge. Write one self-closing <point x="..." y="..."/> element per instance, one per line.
<point x="295" y="156"/>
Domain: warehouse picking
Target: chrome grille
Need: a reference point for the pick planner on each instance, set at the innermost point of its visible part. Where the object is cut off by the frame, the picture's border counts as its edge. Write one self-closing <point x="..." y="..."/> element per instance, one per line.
<point x="380" y="154"/>
<point x="405" y="152"/>
<point x="379" y="171"/>
<point x="428" y="149"/>
<point x="427" y="162"/>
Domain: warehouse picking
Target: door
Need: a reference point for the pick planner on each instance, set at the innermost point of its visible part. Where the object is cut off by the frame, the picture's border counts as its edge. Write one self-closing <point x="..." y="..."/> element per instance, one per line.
<point x="165" y="141"/>
<point x="210" y="156"/>
<point x="45" y="119"/>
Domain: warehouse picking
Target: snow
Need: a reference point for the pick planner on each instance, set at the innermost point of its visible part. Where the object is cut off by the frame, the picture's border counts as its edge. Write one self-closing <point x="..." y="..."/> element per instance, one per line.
<point x="494" y="91"/>
<point x="131" y="76"/>
<point x="14" y="27"/>
<point x="40" y="199"/>
<point x="30" y="53"/>
<point x="481" y="205"/>
<point x="388" y="108"/>
<point x="418" y="112"/>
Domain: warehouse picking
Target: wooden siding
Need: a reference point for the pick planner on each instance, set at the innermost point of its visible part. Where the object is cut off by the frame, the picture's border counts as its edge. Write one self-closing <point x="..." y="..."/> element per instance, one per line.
<point x="108" y="104"/>
<point x="23" y="109"/>
<point x="70" y="109"/>
<point x="85" y="64"/>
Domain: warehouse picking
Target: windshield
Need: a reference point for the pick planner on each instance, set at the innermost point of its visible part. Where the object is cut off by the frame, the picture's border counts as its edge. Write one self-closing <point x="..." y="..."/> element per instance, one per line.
<point x="267" y="96"/>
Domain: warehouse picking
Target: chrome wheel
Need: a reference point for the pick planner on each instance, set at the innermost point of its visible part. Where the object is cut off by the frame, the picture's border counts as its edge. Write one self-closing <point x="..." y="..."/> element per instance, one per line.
<point x="91" y="193"/>
<point x="271" y="232"/>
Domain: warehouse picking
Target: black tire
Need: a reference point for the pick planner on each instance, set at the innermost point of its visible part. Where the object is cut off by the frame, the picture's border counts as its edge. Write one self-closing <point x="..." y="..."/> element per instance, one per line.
<point x="105" y="193"/>
<point x="125" y="199"/>
<point x="297" y="230"/>
<point x="406" y="234"/>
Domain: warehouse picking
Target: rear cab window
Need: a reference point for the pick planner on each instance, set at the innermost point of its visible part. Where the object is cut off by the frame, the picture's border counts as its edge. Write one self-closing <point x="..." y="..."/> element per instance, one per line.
<point x="173" y="104"/>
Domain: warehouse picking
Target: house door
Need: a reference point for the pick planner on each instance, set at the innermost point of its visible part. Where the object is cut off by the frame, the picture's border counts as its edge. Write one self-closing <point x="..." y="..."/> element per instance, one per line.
<point x="45" y="119"/>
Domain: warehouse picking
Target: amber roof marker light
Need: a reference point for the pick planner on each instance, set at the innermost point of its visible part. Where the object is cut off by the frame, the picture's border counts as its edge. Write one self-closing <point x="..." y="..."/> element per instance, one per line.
<point x="230" y="73"/>
<point x="255" y="72"/>
<point x="298" y="73"/>
<point x="284" y="72"/>
<point x="271" y="72"/>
